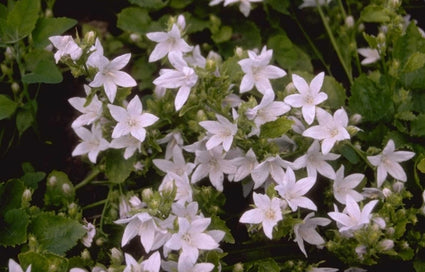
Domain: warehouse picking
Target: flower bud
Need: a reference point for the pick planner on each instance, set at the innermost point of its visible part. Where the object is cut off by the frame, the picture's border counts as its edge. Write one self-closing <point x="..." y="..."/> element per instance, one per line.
<point x="85" y="255"/>
<point x="9" y="53"/>
<point x="239" y="52"/>
<point x="387" y="192"/>
<point x="381" y="38"/>
<point x="361" y="28"/>
<point x="15" y="87"/>
<point x="52" y="181"/>
<point x="135" y="202"/>
<point x="26" y="196"/>
<point x="398" y="186"/>
<point x="349" y="21"/>
<point x="355" y="119"/>
<point x="100" y="241"/>
<point x="135" y="37"/>
<point x="90" y="37"/>
<point x="48" y="13"/>
<point x="395" y="4"/>
<point x="4" y="69"/>
<point x="116" y="256"/>
<point x="66" y="188"/>
<point x="147" y="194"/>
<point x="238" y="267"/>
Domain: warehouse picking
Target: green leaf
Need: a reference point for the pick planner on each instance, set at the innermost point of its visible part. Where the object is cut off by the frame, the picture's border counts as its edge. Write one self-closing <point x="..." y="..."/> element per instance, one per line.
<point x="43" y="262"/>
<point x="267" y="265"/>
<point x="369" y="100"/>
<point x="288" y="55"/>
<point x="179" y="4"/>
<point x="134" y="19"/>
<point x="246" y="35"/>
<point x="414" y="62"/>
<point x="410" y="43"/>
<point x="349" y="153"/>
<point x="11" y="195"/>
<point x="7" y="107"/>
<point x="414" y="80"/>
<point x="59" y="189"/>
<point x="375" y="14"/>
<point x="419" y="265"/>
<point x="279" y="5"/>
<point x="56" y="234"/>
<point x="219" y="224"/>
<point x="421" y="165"/>
<point x="32" y="179"/>
<point x="150" y="4"/>
<point x="118" y="169"/>
<point x="276" y="128"/>
<point x="335" y="91"/>
<point x="13" y="229"/>
<point x="222" y="35"/>
<point x="47" y="27"/>
<point x="43" y="68"/>
<point x="20" y="21"/>
<point x="25" y="117"/>
<point x="417" y="126"/>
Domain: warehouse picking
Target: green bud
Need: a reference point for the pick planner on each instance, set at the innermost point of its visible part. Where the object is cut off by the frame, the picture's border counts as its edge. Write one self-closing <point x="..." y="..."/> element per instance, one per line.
<point x="52" y="181"/>
<point x="15" y="87"/>
<point x="85" y="255"/>
<point x="116" y="256"/>
<point x="135" y="37"/>
<point x="100" y="241"/>
<point x="89" y="38"/>
<point x="147" y="194"/>
<point x="9" y="53"/>
<point x="48" y="13"/>
<point x="26" y="197"/>
<point x="66" y="189"/>
<point x="349" y="21"/>
<point x="53" y="268"/>
<point x="381" y="38"/>
<point x="238" y="267"/>
<point x="4" y="69"/>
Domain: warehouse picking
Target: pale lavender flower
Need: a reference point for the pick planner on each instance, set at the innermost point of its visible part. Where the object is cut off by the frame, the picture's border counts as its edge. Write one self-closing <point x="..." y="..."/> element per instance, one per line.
<point x="370" y="55"/>
<point x="221" y="132"/>
<point x="244" y="5"/>
<point x="66" y="46"/>
<point x="90" y="112"/>
<point x="271" y="166"/>
<point x="151" y="264"/>
<point x="93" y="142"/>
<point x="344" y="186"/>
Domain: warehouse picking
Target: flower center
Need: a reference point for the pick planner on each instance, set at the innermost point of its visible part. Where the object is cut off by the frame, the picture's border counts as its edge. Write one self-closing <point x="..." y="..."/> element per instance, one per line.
<point x="333" y="132"/>
<point x="132" y="122"/>
<point x="187" y="238"/>
<point x="309" y="99"/>
<point x="270" y="214"/>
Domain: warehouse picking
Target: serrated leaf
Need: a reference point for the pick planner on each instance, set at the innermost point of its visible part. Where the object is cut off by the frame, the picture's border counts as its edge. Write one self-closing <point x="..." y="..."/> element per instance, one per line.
<point x="150" y="4"/>
<point x="406" y="116"/>
<point x="375" y="14"/>
<point x="414" y="80"/>
<point x="335" y="91"/>
<point x="7" y="107"/>
<point x="117" y="168"/>
<point x="42" y="262"/>
<point x="20" y="21"/>
<point x="56" y="234"/>
<point x="369" y="100"/>
<point x="417" y="127"/>
<point x="134" y="19"/>
<point x="276" y="128"/>
<point x="11" y="195"/>
<point x="47" y="27"/>
<point x="414" y="62"/>
<point x="288" y="55"/>
<point x="408" y="44"/>
<point x="267" y="265"/>
<point x="13" y="227"/>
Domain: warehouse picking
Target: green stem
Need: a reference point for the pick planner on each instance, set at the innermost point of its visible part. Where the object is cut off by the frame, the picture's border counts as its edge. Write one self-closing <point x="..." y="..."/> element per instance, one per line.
<point x="102" y="217"/>
<point x="341" y="6"/>
<point x="334" y="43"/>
<point x="89" y="178"/>
<point x="361" y="154"/>
<point x="95" y="204"/>
<point x="310" y="42"/>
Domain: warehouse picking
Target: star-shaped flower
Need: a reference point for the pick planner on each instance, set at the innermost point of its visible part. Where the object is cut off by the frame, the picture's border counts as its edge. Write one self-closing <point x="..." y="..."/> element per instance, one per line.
<point x="93" y="142"/>
<point x="245" y="165"/>
<point x="309" y="96"/>
<point x="306" y="231"/>
<point x="244" y="5"/>
<point x="152" y="264"/>
<point x="183" y="77"/>
<point x="293" y="191"/>
<point x="271" y="166"/>
<point x="167" y="42"/>
<point x="128" y="142"/>
<point x="222" y="132"/>
<point x="66" y="47"/>
<point x="331" y="129"/>
<point x="109" y="75"/>
<point x="131" y="120"/>
<point x="370" y="55"/>
<point x="352" y="218"/>
<point x="313" y="3"/>
<point x="178" y="166"/>
<point x="315" y="161"/>
<point x="15" y="267"/>
<point x="267" y="212"/>
<point x="90" y="112"/>
<point x="344" y="186"/>
<point x="388" y="163"/>
<point x="258" y="72"/>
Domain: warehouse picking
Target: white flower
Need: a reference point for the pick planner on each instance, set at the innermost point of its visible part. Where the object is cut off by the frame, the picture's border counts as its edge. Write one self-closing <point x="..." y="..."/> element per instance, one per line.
<point x="91" y="232"/>
<point x="178" y="166"/>
<point x="388" y="162"/>
<point x="331" y="129"/>
<point x="66" y="46"/>
<point x="272" y="166"/>
<point x="344" y="186"/>
<point x="15" y="267"/>
<point x="315" y="161"/>
<point x="195" y="59"/>
<point x="293" y="192"/>
<point x="167" y="42"/>
<point x="212" y="164"/>
<point x="131" y="120"/>
<point x="267" y="212"/>
<point x="313" y="3"/>
<point x="215" y="2"/>
<point x="244" y="5"/>
<point x="152" y="264"/>
<point x="93" y="142"/>
<point x="172" y="139"/>
<point x="183" y="77"/>
<point x="258" y="72"/>
<point x="222" y="132"/>
<point x="109" y="75"/>
<point x="322" y="269"/>
<point x="245" y="165"/>
<point x="371" y="55"/>
<point x="191" y="237"/>
<point x="185" y="265"/>
<point x="145" y="226"/>
<point x="267" y="111"/>
<point x="128" y="142"/>
<point x="90" y="112"/>
<point x="309" y="96"/>
<point x="352" y="218"/>
<point x="306" y="231"/>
